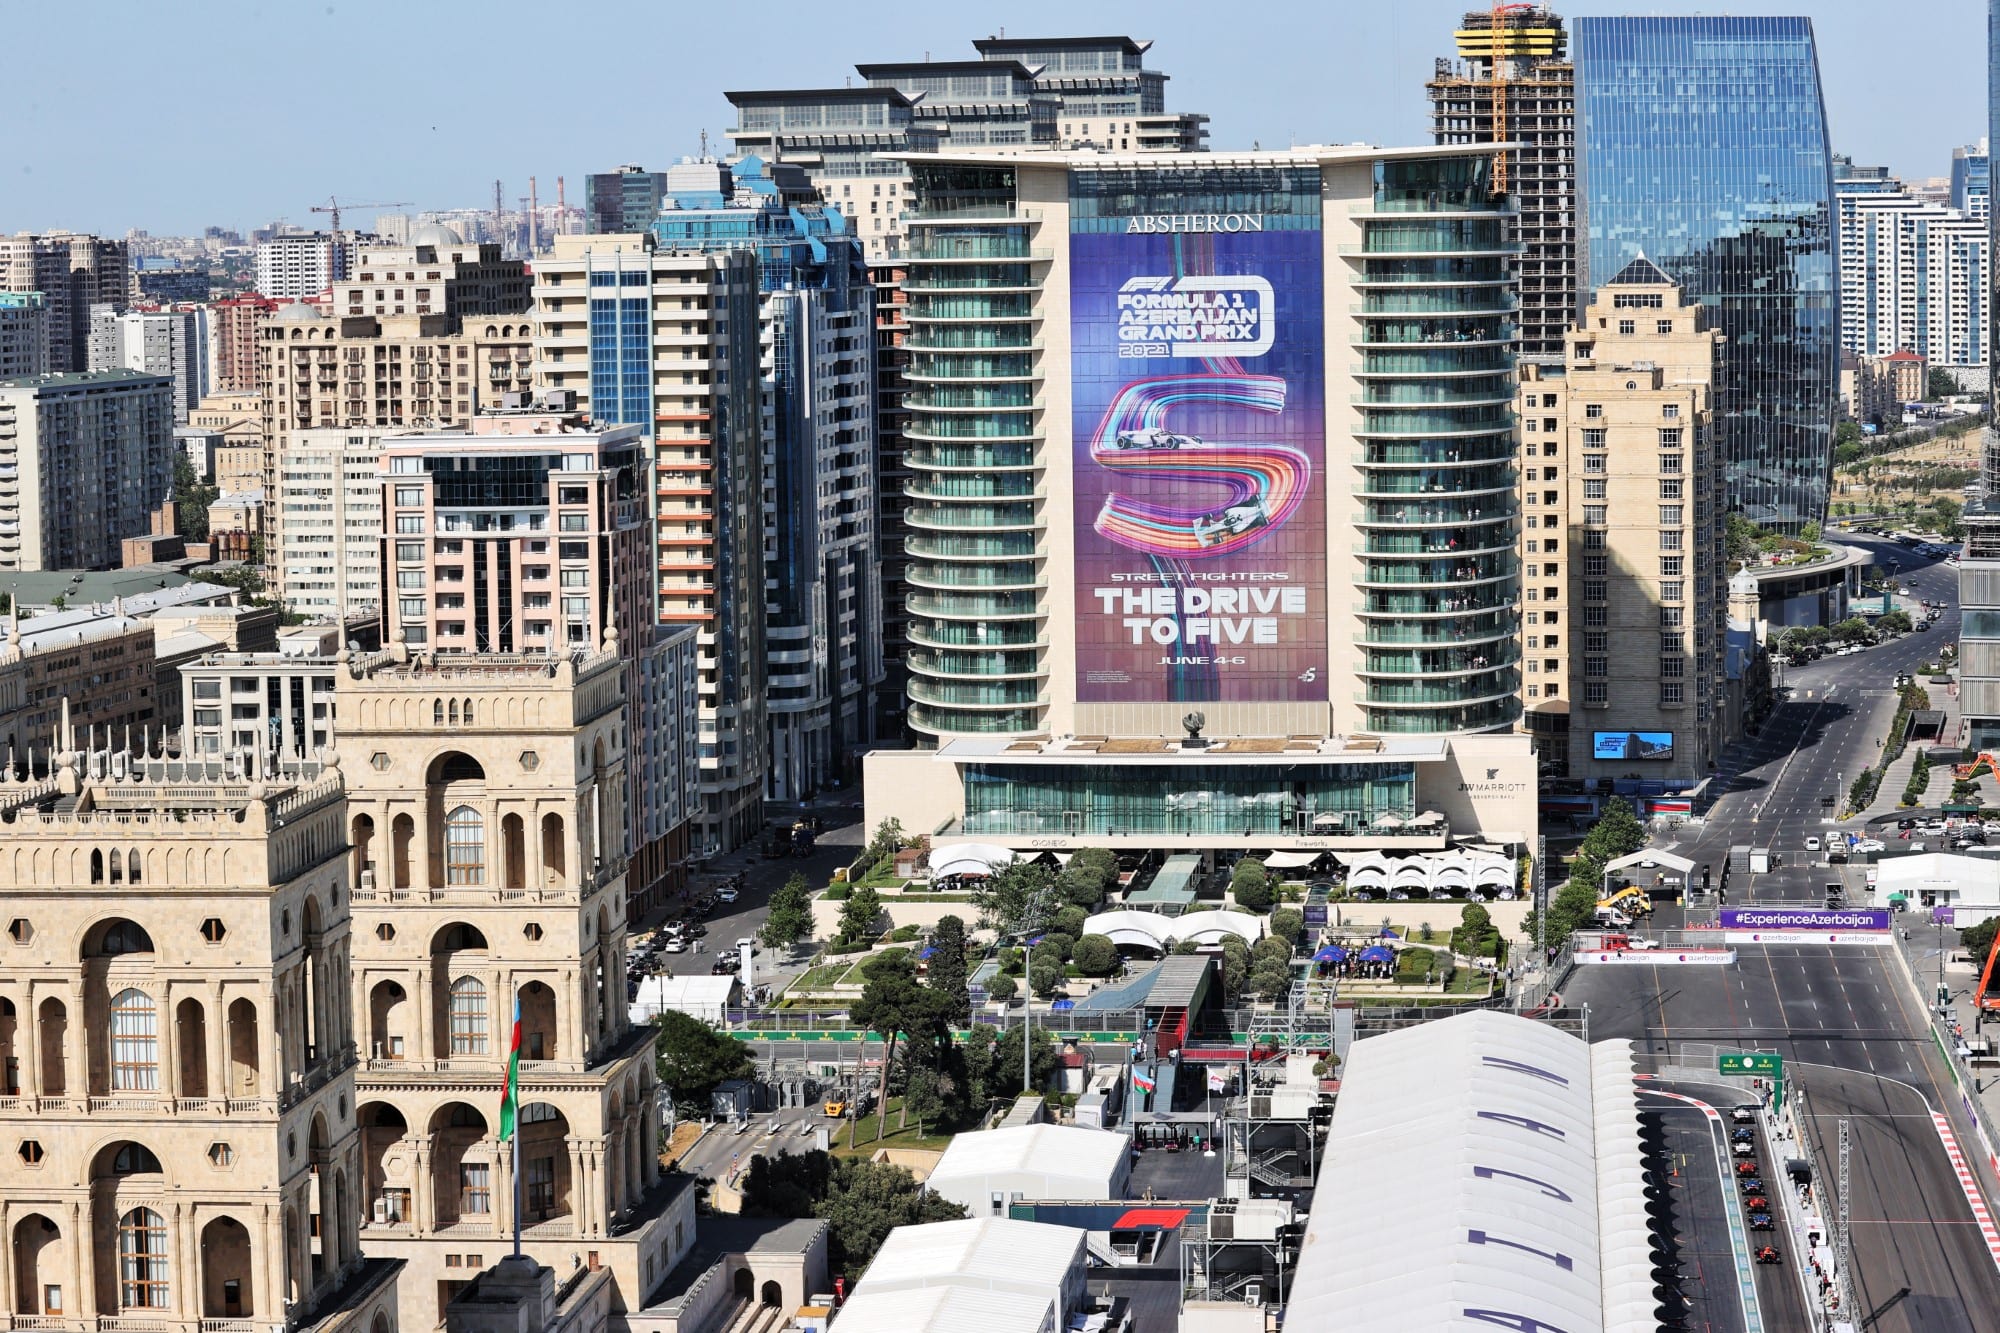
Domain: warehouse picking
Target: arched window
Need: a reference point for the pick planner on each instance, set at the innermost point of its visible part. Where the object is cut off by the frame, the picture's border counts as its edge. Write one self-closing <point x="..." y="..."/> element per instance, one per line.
<point x="123" y="937"/>
<point x="468" y="1017"/>
<point x="452" y="713"/>
<point x="135" y="1159"/>
<point x="96" y="866"/>
<point x="117" y="867"/>
<point x="132" y="860"/>
<point x="437" y="712"/>
<point x="467" y="714"/>
<point x="135" y="1042"/>
<point x="142" y="1261"/>
<point x="464" y="846"/>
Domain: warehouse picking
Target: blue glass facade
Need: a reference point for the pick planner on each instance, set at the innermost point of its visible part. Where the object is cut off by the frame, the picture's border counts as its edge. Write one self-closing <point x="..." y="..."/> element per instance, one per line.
<point x="1703" y="146"/>
<point x="621" y="346"/>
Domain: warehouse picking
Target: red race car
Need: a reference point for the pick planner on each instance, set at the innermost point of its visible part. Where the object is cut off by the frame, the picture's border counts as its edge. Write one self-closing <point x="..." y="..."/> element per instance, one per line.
<point x="1747" y="1168"/>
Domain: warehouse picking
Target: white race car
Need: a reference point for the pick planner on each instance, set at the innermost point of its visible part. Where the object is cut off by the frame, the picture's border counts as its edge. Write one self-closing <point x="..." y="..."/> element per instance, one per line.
<point x="1153" y="438"/>
<point x="1213" y="529"/>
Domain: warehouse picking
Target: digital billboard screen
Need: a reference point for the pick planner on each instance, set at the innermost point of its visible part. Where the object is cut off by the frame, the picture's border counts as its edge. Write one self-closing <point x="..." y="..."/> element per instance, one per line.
<point x="1638" y="745"/>
<point x="1199" y="459"/>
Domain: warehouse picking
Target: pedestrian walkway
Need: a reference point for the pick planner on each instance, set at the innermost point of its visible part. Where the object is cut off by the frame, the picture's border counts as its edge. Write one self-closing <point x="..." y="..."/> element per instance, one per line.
<point x="1888" y="796"/>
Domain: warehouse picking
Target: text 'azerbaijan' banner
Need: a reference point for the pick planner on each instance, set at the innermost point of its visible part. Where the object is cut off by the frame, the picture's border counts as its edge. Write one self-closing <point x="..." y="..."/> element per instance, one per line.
<point x="1200" y="461"/>
<point x="1805" y="918"/>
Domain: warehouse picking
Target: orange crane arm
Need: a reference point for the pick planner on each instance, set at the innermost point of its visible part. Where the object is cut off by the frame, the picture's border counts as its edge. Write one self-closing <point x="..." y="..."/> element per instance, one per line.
<point x="1986" y="974"/>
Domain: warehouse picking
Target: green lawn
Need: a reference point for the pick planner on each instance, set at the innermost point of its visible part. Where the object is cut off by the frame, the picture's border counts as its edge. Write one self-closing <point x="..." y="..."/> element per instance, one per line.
<point x="864" y="1134"/>
<point x="821" y="977"/>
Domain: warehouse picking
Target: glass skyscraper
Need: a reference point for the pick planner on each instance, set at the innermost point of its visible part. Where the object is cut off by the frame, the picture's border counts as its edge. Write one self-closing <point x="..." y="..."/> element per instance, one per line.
<point x="1979" y="567"/>
<point x="1703" y="146"/>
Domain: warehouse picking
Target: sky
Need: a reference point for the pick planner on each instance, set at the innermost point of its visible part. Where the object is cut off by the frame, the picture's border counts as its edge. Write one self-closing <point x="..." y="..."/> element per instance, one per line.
<point x="171" y="117"/>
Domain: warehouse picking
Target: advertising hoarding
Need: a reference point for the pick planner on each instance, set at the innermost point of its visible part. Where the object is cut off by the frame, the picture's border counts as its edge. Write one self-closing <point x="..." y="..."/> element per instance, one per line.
<point x="1638" y="745"/>
<point x="1199" y="462"/>
<point x="1806" y="918"/>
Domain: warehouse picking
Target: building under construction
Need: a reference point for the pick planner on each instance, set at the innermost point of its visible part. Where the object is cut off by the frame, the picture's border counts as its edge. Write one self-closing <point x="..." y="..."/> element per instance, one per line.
<point x="1513" y="60"/>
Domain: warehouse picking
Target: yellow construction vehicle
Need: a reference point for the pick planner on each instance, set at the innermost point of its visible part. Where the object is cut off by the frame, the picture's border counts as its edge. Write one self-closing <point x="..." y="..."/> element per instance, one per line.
<point x="835" y="1108"/>
<point x="1631" y="900"/>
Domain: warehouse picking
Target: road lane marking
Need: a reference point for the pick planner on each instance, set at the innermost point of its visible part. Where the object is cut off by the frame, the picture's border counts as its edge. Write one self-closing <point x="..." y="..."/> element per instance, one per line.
<point x="1959" y="1168"/>
<point x="1739" y="1244"/>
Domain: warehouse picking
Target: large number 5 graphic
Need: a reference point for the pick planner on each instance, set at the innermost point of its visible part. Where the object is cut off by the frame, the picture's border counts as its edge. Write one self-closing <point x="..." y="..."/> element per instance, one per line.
<point x="1261" y="483"/>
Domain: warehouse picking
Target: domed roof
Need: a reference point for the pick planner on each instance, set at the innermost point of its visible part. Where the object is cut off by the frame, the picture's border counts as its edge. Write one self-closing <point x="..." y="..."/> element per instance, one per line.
<point x="297" y="312"/>
<point x="435" y="233"/>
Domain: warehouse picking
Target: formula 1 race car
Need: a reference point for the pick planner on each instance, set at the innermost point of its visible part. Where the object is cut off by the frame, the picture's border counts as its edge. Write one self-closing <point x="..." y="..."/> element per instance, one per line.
<point x="1748" y="1167"/>
<point x="1768" y="1254"/>
<point x="1214" y="529"/>
<point x="1760" y="1222"/>
<point x="1155" y="439"/>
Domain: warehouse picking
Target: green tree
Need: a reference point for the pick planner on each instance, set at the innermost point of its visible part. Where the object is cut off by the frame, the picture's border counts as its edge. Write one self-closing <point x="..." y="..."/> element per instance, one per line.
<point x="1942" y="384"/>
<point x="861" y="1201"/>
<point x="1851" y="630"/>
<point x="1017" y="899"/>
<point x="791" y="918"/>
<point x="1270" y="980"/>
<point x="888" y="840"/>
<point x="1096" y="955"/>
<point x="1069" y="920"/>
<point x="1045" y="975"/>
<point x="1978" y="940"/>
<point x="1003" y="1076"/>
<point x="1895" y="622"/>
<point x="1572" y="909"/>
<point x="1235" y="965"/>
<point x="1810" y="532"/>
<point x="191" y="498"/>
<point x="1002" y="988"/>
<point x="1088" y="877"/>
<point x="893" y="1005"/>
<point x="858" y="914"/>
<point x="947" y="972"/>
<point x="1250" y="885"/>
<point x="1184" y="948"/>
<point x="1056" y="945"/>
<point x="1475" y="924"/>
<point x="694" y="1059"/>
<point x="1287" y="923"/>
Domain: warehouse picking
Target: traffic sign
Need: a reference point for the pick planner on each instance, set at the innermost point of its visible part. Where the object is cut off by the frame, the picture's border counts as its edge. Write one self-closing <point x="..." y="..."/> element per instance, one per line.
<point x="1752" y="1063"/>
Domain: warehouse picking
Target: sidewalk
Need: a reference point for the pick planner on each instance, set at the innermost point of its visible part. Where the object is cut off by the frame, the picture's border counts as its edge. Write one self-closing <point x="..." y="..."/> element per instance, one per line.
<point x="1888" y="796"/>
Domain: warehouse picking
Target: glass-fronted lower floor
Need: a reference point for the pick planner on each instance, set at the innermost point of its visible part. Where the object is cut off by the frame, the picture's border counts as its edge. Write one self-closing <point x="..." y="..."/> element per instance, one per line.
<point x="1112" y="799"/>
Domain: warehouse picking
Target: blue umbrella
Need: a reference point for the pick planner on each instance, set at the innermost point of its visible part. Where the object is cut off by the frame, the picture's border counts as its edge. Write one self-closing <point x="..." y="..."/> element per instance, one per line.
<point x="1377" y="953"/>
<point x="1330" y="954"/>
<point x="1389" y="934"/>
<point x="926" y="952"/>
<point x="1063" y="1004"/>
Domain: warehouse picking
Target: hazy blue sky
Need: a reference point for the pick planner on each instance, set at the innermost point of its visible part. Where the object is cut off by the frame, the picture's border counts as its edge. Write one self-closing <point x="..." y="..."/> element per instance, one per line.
<point x="173" y="116"/>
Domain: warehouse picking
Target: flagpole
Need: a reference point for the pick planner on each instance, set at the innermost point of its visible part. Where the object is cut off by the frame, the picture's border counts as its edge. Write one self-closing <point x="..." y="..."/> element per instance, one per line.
<point x="512" y="1123"/>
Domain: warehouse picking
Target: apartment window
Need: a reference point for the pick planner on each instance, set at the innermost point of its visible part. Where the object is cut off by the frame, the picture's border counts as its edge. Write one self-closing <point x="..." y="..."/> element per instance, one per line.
<point x="142" y="1261"/>
<point x="1670" y="566"/>
<point x="412" y="608"/>
<point x="1594" y="642"/>
<point x="135" y="1042"/>
<point x="1670" y="462"/>
<point x="1594" y="438"/>
<point x="409" y="550"/>
<point x="1670" y="410"/>
<point x="1663" y="326"/>
<point x="1672" y="617"/>
<point x="1670" y="437"/>
<point x="1595" y="616"/>
<point x="1596" y="666"/>
<point x="465" y="846"/>
<point x="1670" y="643"/>
<point x="1596" y="692"/>
<point x="475" y="1188"/>
<point x="1596" y="463"/>
<point x="409" y="578"/>
<point x="1673" y="591"/>
<point x="1596" y="566"/>
<point x="1553" y="618"/>
<point x="1529" y="426"/>
<point x="575" y="522"/>
<point x="1593" y="410"/>
<point x="1670" y="516"/>
<point x="1670" y="692"/>
<point x="409" y="495"/>
<point x="1670" y="488"/>
<point x="1594" y="488"/>
<point x="1548" y="425"/>
<point x="1548" y="497"/>
<point x="1548" y="400"/>
<point x="1593" y="541"/>
<point x="468" y="1017"/>
<point x="576" y="578"/>
<point x="407" y="524"/>
<point x="1628" y="326"/>
<point x="1670" y="540"/>
<point x="1593" y="591"/>
<point x="1552" y="641"/>
<point x="1594" y="513"/>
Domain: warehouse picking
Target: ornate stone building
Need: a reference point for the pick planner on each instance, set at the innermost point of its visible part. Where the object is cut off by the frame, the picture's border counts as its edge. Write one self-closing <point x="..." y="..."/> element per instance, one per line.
<point x="490" y="836"/>
<point x="179" y="1150"/>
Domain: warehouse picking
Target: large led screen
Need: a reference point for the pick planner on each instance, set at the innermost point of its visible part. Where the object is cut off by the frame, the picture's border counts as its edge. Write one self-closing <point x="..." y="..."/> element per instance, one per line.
<point x="1632" y="745"/>
<point x="1199" y="462"/>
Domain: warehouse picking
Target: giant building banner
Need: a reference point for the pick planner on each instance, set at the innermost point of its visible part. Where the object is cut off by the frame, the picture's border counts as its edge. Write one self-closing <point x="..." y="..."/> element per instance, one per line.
<point x="1199" y="460"/>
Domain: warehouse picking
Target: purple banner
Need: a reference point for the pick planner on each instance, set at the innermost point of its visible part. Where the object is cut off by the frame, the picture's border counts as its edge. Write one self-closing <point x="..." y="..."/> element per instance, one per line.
<point x="1805" y="918"/>
<point x="1199" y="464"/>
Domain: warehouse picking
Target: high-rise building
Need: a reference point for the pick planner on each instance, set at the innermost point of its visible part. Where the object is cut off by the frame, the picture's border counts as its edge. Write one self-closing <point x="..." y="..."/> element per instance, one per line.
<point x="435" y="273"/>
<point x="24" y="334"/>
<point x="172" y="343"/>
<point x="74" y="272"/>
<point x="1703" y="147"/>
<point x="1979" y="566"/>
<point x="668" y="339"/>
<point x="303" y="266"/>
<point x="329" y="522"/>
<point x="1912" y="277"/>
<point x="1623" y="626"/>
<point x="489" y="830"/>
<point x="165" y="281"/>
<point x="1972" y="180"/>
<point x="528" y="531"/>
<point x="236" y="337"/>
<point x="625" y="200"/>
<point x="85" y="462"/>
<point x="1110" y="524"/>
<point x="822" y="587"/>
<point x="1189" y="508"/>
<point x="1067" y="92"/>
<point x="1534" y="84"/>
<point x="892" y="364"/>
<point x="179" y="1048"/>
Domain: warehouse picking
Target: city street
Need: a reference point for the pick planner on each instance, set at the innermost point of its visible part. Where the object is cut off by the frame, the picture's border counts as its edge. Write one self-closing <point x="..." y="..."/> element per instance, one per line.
<point x="1852" y="1033"/>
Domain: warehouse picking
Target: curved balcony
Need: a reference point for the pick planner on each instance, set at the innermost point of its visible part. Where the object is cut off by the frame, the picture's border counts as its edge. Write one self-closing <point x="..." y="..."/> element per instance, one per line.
<point x="1493" y="713"/>
<point x="980" y="665"/>
<point x="948" y="578"/>
<point x="1443" y="662"/>
<point x="1005" y="634"/>
<point x="1433" y="424"/>
<point x="1440" y="453"/>
<point x="1470" y="541"/>
<point x="970" y="694"/>
<point x="1005" y="278"/>
<point x="985" y="517"/>
<point x="1460" y="481"/>
<point x="1434" y="273"/>
<point x="975" y="605"/>
<point x="949" y="430"/>
<point x="950" y="338"/>
<point x="1432" y="393"/>
<point x="997" y="397"/>
<point x="933" y="722"/>
<point x="1446" y="301"/>
<point x="969" y="365"/>
<point x="1482" y="687"/>
<point x="1000" y="546"/>
<point x="1442" y="332"/>
<point x="969" y="458"/>
<point x="1458" y="571"/>
<point x="1474" y="598"/>
<point x="1437" y="237"/>
<point x="925" y="307"/>
<point x="971" y="486"/>
<point x="1433" y="360"/>
<point x="1457" y="630"/>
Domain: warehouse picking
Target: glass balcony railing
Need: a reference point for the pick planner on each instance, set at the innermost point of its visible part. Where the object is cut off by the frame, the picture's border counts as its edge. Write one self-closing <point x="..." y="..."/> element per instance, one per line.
<point x="945" y="723"/>
<point x="927" y="305"/>
<point x="971" y="366"/>
<point x="970" y="694"/>
<point x="1474" y="597"/>
<point x="952" y="456"/>
<point x="1444" y="662"/>
<point x="1455" y="630"/>
<point x="970" y="516"/>
<point x="1391" y="236"/>
<point x="1461" y="690"/>
<point x="971" y="486"/>
<point x="952" y="338"/>
<point x="1482" y="716"/>
<point x="1002" y="397"/>
<point x="1422" y="421"/>
<point x="941" y="546"/>
<point x="976" y="634"/>
<point x="1434" y="272"/>
<point x="1442" y="482"/>
<point x="964" y="605"/>
<point x="1444" y="331"/>
<point x="1400" y="453"/>
<point x="1001" y="277"/>
<point x="967" y="243"/>
<point x="1500" y="536"/>
<point x="1440" y="573"/>
<point x="1451" y="301"/>
<point x="972" y="664"/>
<point x="970" y="428"/>
<point x="1435" y="360"/>
<point x="948" y="577"/>
<point x="1468" y="389"/>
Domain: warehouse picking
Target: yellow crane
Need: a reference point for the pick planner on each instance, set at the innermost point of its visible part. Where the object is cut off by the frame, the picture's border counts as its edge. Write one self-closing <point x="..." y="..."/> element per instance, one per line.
<point x="1498" y="19"/>
<point x="333" y="206"/>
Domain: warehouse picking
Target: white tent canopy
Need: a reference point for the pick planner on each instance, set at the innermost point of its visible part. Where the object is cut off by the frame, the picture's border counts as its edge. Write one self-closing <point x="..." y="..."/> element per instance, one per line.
<point x="1471" y="1151"/>
<point x="1649" y="858"/>
<point x="1151" y="930"/>
<point x="1455" y="870"/>
<point x="1290" y="860"/>
<point x="969" y="858"/>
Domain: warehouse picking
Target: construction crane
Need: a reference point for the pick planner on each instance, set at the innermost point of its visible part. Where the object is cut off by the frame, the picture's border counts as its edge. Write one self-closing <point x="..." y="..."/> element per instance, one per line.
<point x="333" y="206"/>
<point x="1498" y="19"/>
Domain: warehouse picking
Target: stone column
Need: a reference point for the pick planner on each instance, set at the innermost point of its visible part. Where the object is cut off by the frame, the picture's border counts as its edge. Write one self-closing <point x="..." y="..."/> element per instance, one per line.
<point x="217" y="1053"/>
<point x="265" y="1283"/>
<point x="579" y="1206"/>
<point x="30" y="1024"/>
<point x="423" y="1190"/>
<point x="83" y="1246"/>
<point x="422" y="1042"/>
<point x="186" y="1267"/>
<point x="167" y="1023"/>
<point x="76" y="1060"/>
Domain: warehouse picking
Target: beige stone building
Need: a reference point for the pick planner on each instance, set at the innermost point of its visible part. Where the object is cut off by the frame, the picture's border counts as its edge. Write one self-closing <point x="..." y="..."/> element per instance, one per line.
<point x="238" y="417"/>
<point x="488" y="824"/>
<point x="94" y="664"/>
<point x="178" y="1051"/>
<point x="1621" y="546"/>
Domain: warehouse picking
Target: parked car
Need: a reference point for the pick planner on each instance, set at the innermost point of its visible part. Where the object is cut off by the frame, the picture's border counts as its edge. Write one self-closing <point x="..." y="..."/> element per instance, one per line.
<point x="1871" y="845"/>
<point x="726" y="895"/>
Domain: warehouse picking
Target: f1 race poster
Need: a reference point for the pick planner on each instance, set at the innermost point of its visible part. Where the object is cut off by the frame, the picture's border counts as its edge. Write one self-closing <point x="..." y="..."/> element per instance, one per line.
<point x="1199" y="464"/>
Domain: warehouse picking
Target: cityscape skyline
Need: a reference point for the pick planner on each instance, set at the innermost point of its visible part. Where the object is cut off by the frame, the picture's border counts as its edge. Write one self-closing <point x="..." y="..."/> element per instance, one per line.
<point x="74" y="163"/>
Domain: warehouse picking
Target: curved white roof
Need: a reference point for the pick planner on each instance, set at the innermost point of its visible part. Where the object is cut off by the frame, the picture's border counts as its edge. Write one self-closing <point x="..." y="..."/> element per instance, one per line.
<point x="1151" y="930"/>
<point x="1499" y="1159"/>
<point x="969" y="858"/>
